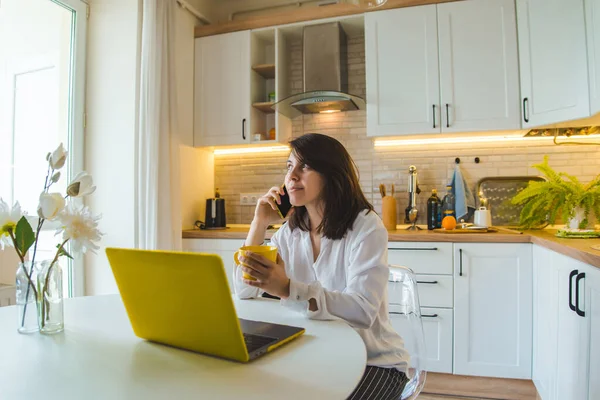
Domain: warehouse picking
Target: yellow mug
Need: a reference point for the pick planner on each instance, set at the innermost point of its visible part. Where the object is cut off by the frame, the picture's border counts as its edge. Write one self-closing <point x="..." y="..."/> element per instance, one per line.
<point x="269" y="252"/>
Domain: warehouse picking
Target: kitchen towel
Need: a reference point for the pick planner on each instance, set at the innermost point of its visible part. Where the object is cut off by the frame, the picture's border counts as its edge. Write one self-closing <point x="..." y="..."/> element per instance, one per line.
<point x="463" y="196"/>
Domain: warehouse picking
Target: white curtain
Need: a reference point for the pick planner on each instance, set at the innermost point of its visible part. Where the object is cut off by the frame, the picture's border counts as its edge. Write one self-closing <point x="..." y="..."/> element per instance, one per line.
<point x="157" y="163"/>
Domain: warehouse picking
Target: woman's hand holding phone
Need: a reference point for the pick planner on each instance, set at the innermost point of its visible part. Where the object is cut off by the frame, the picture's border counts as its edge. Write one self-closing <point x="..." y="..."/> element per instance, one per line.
<point x="266" y="206"/>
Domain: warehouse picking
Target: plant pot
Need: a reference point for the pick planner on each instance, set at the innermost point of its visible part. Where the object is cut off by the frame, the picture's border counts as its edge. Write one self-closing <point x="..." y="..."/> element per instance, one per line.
<point x="578" y="220"/>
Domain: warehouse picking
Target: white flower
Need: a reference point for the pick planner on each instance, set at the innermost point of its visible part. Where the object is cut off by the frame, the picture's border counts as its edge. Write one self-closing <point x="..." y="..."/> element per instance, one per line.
<point x="82" y="185"/>
<point x="50" y="205"/>
<point x="80" y="227"/>
<point x="9" y="217"/>
<point x="58" y="157"/>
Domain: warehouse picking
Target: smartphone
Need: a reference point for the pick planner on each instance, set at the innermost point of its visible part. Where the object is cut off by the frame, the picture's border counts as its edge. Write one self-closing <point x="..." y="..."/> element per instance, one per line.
<point x="284" y="208"/>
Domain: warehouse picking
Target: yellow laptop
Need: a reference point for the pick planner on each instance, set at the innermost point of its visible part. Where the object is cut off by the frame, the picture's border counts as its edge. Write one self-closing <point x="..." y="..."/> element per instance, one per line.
<point x="183" y="300"/>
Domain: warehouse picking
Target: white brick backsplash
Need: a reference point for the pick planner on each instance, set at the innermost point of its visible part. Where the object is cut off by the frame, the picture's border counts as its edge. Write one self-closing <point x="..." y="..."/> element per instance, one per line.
<point x="389" y="165"/>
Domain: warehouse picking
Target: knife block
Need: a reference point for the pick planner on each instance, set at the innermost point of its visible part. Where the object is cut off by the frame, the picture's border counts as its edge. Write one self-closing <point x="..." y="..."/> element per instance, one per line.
<point x="388" y="211"/>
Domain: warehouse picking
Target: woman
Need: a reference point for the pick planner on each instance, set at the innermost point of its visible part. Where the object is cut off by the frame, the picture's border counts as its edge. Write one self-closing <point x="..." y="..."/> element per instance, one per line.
<point x="332" y="260"/>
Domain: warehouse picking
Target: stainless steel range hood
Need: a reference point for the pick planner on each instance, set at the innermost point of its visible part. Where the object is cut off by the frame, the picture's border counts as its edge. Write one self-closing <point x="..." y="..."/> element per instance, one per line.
<point x="325" y="74"/>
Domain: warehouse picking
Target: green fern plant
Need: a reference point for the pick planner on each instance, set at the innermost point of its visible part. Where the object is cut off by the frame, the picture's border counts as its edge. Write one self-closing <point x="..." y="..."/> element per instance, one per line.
<point x="560" y="194"/>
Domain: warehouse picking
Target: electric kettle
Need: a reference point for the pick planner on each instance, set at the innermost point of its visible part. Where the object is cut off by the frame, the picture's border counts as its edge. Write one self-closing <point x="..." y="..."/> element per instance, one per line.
<point x="215" y="213"/>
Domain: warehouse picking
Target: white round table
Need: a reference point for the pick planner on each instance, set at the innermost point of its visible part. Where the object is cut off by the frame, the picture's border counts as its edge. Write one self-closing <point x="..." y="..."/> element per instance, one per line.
<point x="99" y="357"/>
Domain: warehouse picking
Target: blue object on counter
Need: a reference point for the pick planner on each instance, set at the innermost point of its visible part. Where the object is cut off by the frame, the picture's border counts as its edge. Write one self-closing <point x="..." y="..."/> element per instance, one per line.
<point x="463" y="196"/>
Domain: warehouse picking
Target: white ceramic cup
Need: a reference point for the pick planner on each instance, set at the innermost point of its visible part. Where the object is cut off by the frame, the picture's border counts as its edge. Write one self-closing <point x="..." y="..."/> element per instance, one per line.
<point x="483" y="217"/>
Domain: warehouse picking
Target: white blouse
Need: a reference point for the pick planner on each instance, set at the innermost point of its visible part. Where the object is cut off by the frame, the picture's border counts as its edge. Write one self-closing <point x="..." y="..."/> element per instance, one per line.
<point x="348" y="281"/>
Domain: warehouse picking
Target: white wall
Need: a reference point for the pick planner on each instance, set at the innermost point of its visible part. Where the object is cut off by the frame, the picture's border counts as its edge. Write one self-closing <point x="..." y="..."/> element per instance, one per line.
<point x="110" y="148"/>
<point x="197" y="165"/>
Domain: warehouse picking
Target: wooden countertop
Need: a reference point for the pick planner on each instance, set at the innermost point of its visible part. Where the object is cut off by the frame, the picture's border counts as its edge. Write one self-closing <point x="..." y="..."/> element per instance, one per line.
<point x="579" y="249"/>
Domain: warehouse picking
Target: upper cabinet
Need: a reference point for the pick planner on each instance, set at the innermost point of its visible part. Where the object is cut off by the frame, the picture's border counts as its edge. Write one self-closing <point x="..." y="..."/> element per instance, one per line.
<point x="446" y="68"/>
<point x="553" y="61"/>
<point x="238" y="77"/>
<point x="222" y="89"/>
<point x="592" y="23"/>
<point x="479" y="73"/>
<point x="401" y="61"/>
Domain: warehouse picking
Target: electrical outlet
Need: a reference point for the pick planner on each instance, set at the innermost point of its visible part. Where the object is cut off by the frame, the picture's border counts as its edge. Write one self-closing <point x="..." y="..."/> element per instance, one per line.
<point x="249" y="199"/>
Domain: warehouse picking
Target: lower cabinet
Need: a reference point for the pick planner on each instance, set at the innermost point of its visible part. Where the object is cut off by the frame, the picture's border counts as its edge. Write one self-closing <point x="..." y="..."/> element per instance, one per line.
<point x="493" y="309"/>
<point x="222" y="247"/>
<point x="566" y="327"/>
<point x="591" y="335"/>
<point x="437" y="328"/>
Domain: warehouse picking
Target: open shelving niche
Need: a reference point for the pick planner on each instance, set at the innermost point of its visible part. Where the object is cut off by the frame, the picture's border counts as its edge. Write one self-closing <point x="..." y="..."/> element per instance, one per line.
<point x="270" y="55"/>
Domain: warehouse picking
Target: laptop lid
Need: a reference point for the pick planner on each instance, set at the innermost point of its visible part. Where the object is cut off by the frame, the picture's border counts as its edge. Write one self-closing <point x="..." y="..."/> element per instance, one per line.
<point x="179" y="299"/>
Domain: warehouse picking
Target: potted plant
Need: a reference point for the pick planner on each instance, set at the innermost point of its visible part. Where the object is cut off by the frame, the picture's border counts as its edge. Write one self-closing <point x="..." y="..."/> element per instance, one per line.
<point x="561" y="194"/>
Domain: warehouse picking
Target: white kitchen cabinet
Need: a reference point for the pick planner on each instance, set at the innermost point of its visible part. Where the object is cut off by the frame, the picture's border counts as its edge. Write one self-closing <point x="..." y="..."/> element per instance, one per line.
<point x="422" y="257"/>
<point x="222" y="89"/>
<point x="591" y="338"/>
<point x="553" y="61"/>
<point x="401" y="62"/>
<point x="566" y="327"/>
<point x="592" y="24"/>
<point x="492" y="310"/>
<point x="477" y="68"/>
<point x="222" y="247"/>
<point x="437" y="329"/>
<point x="545" y="321"/>
<point x="570" y="378"/>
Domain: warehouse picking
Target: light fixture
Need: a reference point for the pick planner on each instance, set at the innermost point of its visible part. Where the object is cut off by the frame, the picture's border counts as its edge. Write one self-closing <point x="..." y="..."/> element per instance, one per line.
<point x="364" y="3"/>
<point x="329" y="111"/>
<point x="249" y="150"/>
<point x="467" y="139"/>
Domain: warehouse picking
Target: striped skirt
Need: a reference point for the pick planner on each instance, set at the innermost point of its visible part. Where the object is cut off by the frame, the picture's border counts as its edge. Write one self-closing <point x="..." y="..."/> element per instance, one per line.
<point x="380" y="384"/>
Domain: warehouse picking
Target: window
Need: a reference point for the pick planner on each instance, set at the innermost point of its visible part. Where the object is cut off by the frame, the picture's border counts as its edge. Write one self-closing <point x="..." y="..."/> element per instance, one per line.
<point x="42" y="67"/>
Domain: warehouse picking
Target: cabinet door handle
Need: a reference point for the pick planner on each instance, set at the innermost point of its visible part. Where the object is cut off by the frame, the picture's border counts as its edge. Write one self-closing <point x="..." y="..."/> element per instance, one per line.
<point x="415" y="248"/>
<point x="244" y="129"/>
<point x="571" y="275"/>
<point x="428" y="282"/>
<point x="525" y="102"/>
<point x="433" y="116"/>
<point x="447" y="115"/>
<point x="460" y="261"/>
<point x="578" y="310"/>
<point x="429" y="315"/>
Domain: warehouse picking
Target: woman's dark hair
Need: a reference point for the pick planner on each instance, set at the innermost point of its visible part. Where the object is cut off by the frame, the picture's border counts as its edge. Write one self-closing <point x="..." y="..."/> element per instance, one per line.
<point x="342" y="195"/>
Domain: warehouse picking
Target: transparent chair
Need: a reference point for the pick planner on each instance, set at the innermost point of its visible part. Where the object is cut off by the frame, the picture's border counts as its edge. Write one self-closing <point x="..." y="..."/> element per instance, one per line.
<point x="405" y="316"/>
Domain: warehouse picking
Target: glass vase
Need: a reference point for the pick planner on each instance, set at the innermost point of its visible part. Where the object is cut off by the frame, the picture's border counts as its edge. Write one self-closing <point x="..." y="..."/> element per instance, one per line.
<point x="50" y="298"/>
<point x="25" y="293"/>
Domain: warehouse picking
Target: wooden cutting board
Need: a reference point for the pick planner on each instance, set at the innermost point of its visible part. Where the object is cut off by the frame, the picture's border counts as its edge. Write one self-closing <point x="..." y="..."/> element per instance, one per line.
<point x="487" y="230"/>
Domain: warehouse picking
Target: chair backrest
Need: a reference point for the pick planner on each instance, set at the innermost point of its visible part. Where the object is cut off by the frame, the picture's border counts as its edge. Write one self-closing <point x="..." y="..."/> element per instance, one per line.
<point x="405" y="316"/>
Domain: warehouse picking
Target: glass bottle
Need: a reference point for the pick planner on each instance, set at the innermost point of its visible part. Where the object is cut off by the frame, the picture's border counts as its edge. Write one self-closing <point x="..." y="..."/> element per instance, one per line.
<point x="25" y="293"/>
<point x="448" y="203"/>
<point x="433" y="204"/>
<point x="50" y="298"/>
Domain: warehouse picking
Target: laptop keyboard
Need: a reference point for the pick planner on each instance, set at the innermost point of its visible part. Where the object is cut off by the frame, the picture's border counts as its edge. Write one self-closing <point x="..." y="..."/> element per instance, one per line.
<point x="255" y="342"/>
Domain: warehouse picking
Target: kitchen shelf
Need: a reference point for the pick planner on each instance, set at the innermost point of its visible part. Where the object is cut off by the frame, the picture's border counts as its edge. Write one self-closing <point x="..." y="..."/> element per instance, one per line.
<point x="264" y="107"/>
<point x="267" y="71"/>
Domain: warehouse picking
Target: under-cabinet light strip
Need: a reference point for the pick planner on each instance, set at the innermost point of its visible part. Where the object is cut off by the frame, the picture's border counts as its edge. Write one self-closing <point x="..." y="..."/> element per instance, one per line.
<point x="470" y="139"/>
<point x="248" y="150"/>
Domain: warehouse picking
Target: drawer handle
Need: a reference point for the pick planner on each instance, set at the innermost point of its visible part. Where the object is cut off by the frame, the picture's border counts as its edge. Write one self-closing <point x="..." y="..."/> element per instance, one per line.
<point x="415" y="248"/>
<point x="422" y="315"/>
<point x="428" y="282"/>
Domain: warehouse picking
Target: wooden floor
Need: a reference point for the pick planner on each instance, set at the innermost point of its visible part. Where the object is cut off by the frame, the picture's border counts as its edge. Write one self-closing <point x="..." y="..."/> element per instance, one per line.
<point x="443" y="397"/>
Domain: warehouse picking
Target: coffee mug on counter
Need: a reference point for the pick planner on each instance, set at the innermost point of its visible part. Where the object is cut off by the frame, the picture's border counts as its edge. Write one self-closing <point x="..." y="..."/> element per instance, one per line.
<point x="269" y="252"/>
<point x="483" y="217"/>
